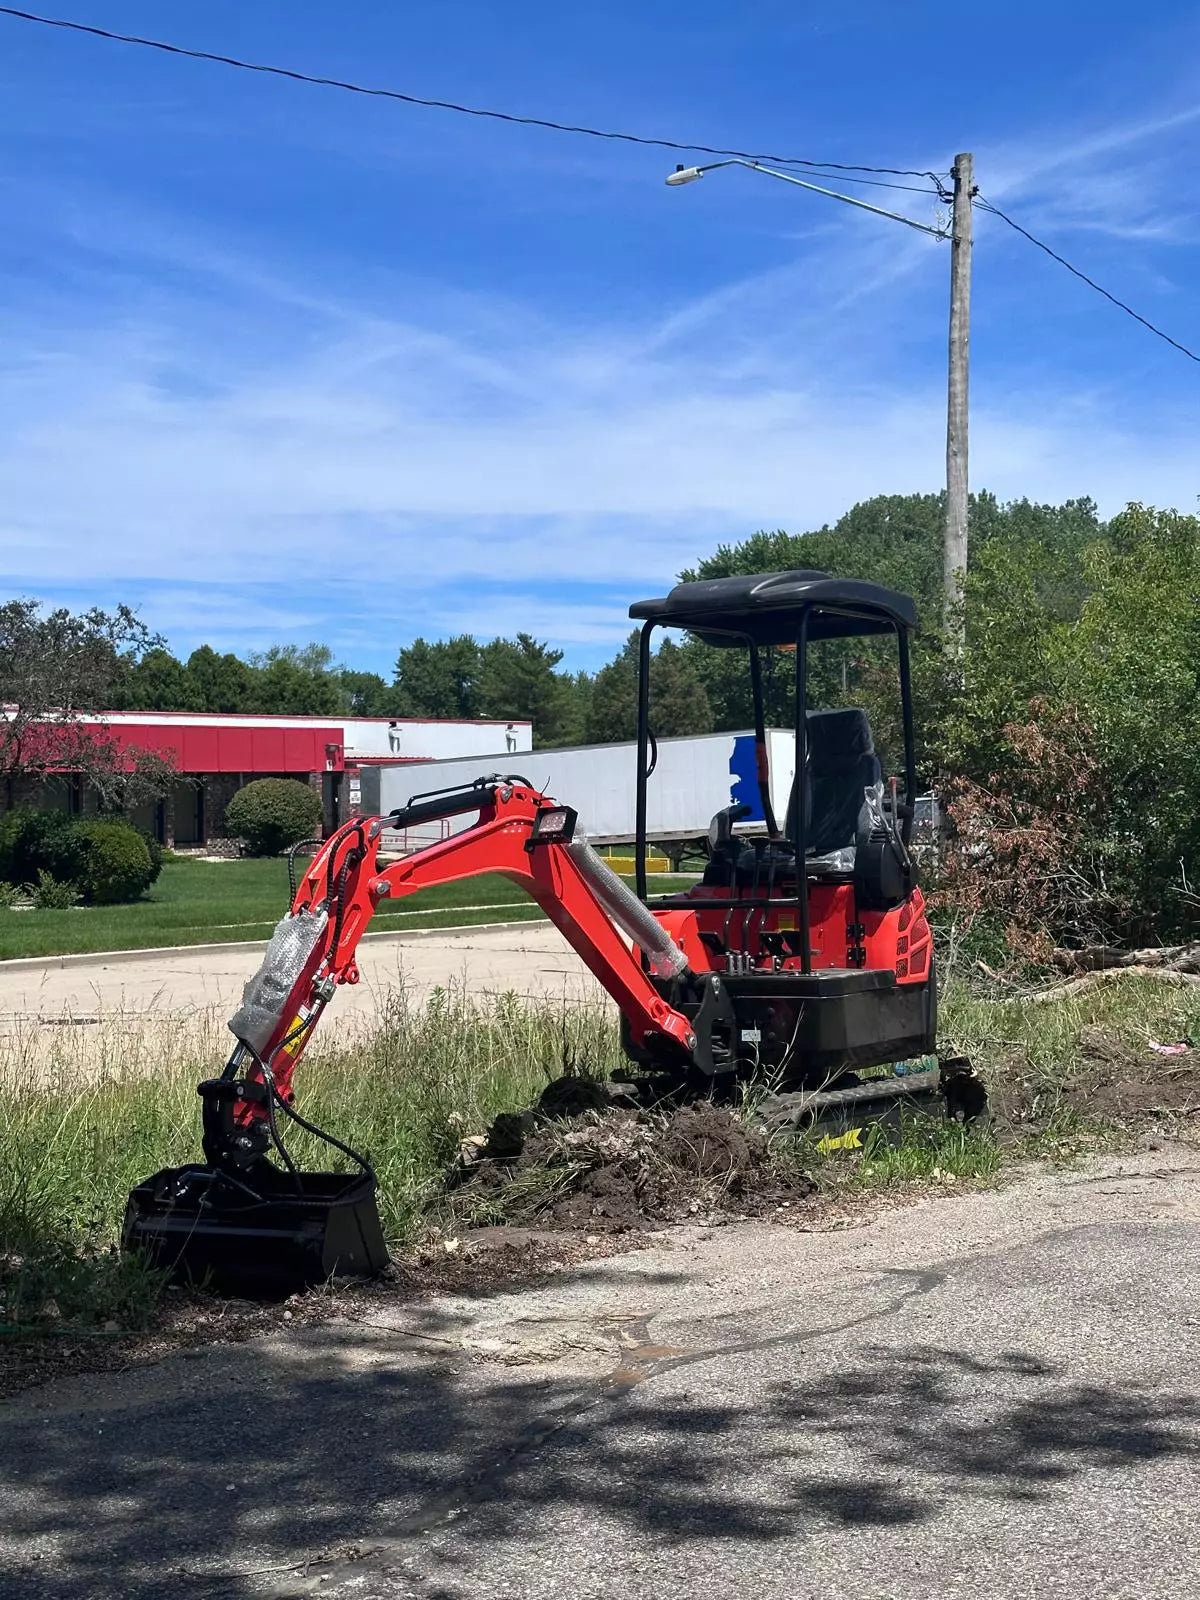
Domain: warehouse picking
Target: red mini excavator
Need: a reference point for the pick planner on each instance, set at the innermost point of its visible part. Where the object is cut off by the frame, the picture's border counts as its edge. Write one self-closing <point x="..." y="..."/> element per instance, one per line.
<point x="803" y="955"/>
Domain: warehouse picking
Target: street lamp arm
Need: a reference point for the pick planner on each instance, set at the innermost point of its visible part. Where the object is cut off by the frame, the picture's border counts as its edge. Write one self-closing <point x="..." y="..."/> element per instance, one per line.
<point x="683" y="175"/>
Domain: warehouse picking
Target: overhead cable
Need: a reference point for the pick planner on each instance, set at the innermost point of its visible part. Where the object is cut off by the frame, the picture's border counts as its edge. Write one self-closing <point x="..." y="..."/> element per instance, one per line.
<point x="447" y="105"/>
<point x="986" y="205"/>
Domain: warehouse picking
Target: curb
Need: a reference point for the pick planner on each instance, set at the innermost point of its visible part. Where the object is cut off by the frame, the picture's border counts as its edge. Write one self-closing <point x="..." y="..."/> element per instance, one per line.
<point x="113" y="958"/>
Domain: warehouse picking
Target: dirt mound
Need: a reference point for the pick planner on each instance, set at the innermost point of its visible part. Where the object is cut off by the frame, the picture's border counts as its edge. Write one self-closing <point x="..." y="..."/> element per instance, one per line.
<point x="610" y="1167"/>
<point x="1111" y="1079"/>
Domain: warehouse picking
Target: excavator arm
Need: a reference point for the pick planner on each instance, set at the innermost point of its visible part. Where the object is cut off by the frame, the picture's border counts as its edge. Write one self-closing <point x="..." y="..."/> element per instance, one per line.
<point x="520" y="834"/>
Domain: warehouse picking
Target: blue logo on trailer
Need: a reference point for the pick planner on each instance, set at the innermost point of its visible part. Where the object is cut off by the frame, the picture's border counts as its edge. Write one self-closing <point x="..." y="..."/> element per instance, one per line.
<point x="743" y="769"/>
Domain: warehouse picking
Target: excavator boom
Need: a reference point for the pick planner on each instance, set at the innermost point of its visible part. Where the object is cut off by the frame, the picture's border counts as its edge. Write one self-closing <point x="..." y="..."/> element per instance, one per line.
<point x="243" y="1221"/>
<point x="522" y="835"/>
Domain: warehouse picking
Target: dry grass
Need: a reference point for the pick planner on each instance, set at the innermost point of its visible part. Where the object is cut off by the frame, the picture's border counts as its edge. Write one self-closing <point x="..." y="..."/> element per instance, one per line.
<point x="109" y="1105"/>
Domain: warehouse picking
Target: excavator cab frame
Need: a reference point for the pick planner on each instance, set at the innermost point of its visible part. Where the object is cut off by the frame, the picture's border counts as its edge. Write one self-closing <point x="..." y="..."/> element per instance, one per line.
<point x="785" y="610"/>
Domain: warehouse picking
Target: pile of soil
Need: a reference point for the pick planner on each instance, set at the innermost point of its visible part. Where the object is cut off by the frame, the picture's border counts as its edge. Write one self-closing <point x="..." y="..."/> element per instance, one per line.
<point x="1112" y="1080"/>
<point x="586" y="1158"/>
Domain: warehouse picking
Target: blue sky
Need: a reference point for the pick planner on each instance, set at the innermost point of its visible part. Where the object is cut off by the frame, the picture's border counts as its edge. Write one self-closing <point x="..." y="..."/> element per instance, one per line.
<point x="280" y="363"/>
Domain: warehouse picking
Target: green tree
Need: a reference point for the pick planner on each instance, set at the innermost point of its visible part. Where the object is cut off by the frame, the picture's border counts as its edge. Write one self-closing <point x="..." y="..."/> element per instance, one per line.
<point x="222" y="682"/>
<point x="366" y="694"/>
<point x="295" y="680"/>
<point x="612" y="709"/>
<point x="439" y="679"/>
<point x="678" y="700"/>
<point x="579" y="701"/>
<point x="1131" y="663"/>
<point x="158" y="682"/>
<point x="518" y="678"/>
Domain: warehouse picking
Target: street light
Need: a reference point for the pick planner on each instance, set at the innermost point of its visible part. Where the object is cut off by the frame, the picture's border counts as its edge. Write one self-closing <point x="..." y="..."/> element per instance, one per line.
<point x="683" y="175"/>
<point x="954" y="555"/>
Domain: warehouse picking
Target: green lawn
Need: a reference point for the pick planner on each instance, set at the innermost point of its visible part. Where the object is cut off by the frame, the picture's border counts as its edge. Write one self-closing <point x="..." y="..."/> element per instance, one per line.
<point x="201" y="902"/>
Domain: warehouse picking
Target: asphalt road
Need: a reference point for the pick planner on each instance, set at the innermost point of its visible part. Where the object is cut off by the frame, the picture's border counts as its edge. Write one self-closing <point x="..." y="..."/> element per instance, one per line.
<point x="68" y="1019"/>
<point x="989" y="1395"/>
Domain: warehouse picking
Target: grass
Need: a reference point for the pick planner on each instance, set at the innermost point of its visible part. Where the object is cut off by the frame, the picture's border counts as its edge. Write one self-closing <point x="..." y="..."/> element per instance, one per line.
<point x="406" y="1097"/>
<point x="1047" y="1043"/>
<point x="407" y="1094"/>
<point x="201" y="902"/>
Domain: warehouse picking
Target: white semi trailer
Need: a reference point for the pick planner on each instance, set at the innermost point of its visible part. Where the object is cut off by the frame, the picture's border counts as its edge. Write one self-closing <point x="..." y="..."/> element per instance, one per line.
<point x="694" y="777"/>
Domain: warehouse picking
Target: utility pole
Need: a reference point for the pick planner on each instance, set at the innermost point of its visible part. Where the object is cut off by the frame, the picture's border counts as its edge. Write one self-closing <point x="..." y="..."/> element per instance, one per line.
<point x="955" y="554"/>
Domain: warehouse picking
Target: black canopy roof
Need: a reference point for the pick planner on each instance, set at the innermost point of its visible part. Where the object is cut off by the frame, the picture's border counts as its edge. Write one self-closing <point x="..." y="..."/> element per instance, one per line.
<point x="767" y="606"/>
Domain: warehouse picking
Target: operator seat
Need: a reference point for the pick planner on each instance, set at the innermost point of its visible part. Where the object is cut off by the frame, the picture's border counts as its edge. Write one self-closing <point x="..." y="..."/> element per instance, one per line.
<point x="842" y="765"/>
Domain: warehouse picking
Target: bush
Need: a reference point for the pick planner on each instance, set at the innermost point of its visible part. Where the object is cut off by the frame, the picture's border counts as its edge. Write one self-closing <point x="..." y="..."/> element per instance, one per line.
<point x="156" y="851"/>
<point x="53" y="894"/>
<point x="32" y="842"/>
<point x="9" y="895"/>
<point x="117" y="864"/>
<point x="270" y="814"/>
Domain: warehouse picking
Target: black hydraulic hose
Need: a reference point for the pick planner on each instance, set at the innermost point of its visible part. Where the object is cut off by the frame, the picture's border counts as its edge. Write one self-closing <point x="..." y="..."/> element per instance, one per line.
<point x="273" y="1095"/>
<point x="354" y="825"/>
<point x="274" y="1098"/>
<point x="301" y="844"/>
<point x="359" y="1160"/>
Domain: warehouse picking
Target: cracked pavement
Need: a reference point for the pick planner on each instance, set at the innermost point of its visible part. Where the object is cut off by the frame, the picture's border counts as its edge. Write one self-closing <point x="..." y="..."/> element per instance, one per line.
<point x="990" y="1394"/>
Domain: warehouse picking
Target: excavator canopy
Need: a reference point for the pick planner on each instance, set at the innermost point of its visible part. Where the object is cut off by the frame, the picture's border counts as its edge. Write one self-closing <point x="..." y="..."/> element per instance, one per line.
<point x="765" y="608"/>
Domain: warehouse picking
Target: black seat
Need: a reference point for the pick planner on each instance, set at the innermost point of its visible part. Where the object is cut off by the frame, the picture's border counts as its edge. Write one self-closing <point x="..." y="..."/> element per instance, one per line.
<point x="842" y="765"/>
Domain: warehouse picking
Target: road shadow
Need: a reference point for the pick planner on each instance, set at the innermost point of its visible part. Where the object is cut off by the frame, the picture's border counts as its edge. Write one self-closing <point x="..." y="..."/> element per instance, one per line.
<point x="259" y="1456"/>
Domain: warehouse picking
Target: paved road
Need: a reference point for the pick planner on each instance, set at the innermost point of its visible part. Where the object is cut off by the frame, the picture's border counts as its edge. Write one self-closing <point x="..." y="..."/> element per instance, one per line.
<point x="993" y="1396"/>
<point x="533" y="959"/>
<point x="66" y="1018"/>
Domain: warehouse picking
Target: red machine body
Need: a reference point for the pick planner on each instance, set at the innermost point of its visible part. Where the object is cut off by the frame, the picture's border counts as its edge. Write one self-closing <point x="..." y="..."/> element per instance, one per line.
<point x="804" y="955"/>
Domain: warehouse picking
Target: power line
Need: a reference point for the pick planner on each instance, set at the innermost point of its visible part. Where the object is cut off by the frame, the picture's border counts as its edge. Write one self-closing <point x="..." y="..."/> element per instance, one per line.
<point x="1091" y="283"/>
<point x="449" y="105"/>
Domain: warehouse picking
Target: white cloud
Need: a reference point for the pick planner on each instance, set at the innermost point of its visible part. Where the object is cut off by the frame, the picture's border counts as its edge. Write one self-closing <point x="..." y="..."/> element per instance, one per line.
<point x="268" y="459"/>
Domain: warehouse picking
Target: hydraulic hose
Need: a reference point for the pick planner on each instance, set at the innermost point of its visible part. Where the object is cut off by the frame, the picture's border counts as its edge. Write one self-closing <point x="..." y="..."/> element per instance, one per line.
<point x="628" y="912"/>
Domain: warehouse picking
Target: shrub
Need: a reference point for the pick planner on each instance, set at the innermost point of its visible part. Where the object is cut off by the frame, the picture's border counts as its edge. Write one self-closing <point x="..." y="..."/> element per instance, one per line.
<point x="270" y="814"/>
<point x="156" y="852"/>
<point x="53" y="894"/>
<point x="9" y="895"/>
<point x="32" y="842"/>
<point x="117" y="863"/>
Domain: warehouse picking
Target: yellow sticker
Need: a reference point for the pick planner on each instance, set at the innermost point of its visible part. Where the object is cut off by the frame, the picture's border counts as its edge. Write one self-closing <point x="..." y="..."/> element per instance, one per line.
<point x="850" y="1140"/>
<point x="293" y="1035"/>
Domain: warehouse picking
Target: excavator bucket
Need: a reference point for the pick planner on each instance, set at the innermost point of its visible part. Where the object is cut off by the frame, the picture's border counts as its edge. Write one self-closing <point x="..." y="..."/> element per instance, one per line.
<point x="265" y="1237"/>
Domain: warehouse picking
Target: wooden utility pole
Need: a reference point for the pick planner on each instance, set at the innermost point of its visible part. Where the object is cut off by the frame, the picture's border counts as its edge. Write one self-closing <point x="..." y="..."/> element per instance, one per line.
<point x="955" y="555"/>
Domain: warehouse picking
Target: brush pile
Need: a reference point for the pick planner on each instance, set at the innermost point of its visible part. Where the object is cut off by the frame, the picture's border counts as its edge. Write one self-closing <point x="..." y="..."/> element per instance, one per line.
<point x="588" y="1157"/>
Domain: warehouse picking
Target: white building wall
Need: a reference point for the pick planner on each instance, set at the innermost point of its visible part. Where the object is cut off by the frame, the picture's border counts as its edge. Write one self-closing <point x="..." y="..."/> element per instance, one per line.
<point x="414" y="739"/>
<point x="364" y="738"/>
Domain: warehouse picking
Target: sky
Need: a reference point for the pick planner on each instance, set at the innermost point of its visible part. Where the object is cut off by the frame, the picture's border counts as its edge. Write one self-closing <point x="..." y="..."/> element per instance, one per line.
<point x="281" y="364"/>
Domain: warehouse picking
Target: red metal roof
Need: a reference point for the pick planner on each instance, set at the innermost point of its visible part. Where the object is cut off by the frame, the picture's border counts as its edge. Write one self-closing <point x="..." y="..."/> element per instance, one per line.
<point x="234" y="749"/>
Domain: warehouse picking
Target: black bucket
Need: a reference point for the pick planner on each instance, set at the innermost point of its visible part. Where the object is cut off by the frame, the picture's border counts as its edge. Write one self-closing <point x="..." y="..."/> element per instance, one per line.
<point x="264" y="1236"/>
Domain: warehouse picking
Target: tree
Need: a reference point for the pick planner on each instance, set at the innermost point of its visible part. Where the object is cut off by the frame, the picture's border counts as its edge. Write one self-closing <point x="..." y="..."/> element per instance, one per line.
<point x="365" y="694"/>
<point x="222" y="682"/>
<point x="612" y="712"/>
<point x="579" y="702"/>
<point x="678" y="700"/>
<point x="517" y="678"/>
<point x="295" y="680"/>
<point x="158" y="682"/>
<point x="53" y="668"/>
<point x="439" y="679"/>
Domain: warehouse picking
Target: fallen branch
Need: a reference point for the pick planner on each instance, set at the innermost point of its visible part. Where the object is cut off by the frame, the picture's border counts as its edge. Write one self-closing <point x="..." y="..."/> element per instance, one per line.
<point x="1103" y="957"/>
<point x="1062" y="991"/>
